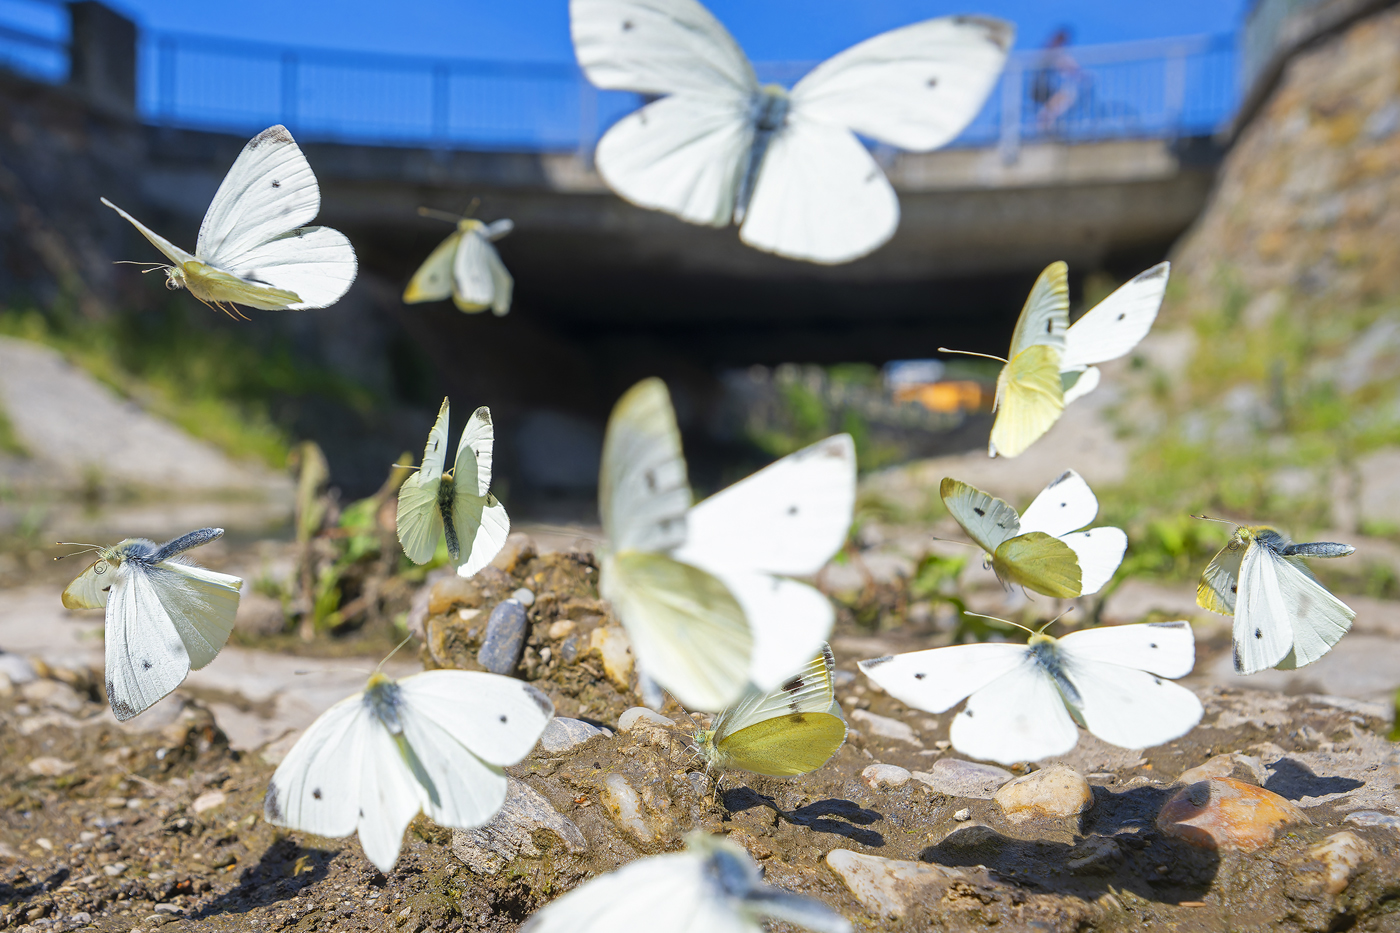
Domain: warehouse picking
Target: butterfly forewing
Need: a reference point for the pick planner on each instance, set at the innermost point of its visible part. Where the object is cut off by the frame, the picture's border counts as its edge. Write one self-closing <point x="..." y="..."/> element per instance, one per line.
<point x="1131" y="708"/>
<point x="202" y="604"/>
<point x="507" y="715"/>
<point x="1099" y="552"/>
<point x="788" y="621"/>
<point x="1118" y="323"/>
<point x="987" y="520"/>
<point x="1066" y="505"/>
<point x="473" y="287"/>
<point x="1018" y="717"/>
<point x="1319" y="619"/>
<point x="809" y="690"/>
<point x="269" y="190"/>
<point x="171" y="251"/>
<point x="1164" y="648"/>
<point x="146" y="658"/>
<point x="1041" y="563"/>
<point x="1263" y="635"/>
<point x="91" y="587"/>
<point x="1220" y="583"/>
<point x="434" y="280"/>
<point x="1030" y="399"/>
<point x="938" y="679"/>
<point x="1045" y="315"/>
<point x="643" y="494"/>
<point x="316" y="788"/>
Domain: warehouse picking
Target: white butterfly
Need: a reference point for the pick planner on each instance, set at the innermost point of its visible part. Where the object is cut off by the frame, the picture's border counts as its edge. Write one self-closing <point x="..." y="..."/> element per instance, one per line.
<point x="164" y="615"/>
<point x="467" y="267"/>
<point x="252" y="248"/>
<point x="1024" y="700"/>
<point x="704" y="592"/>
<point x="1284" y="618"/>
<point x="434" y="742"/>
<point x="713" y="886"/>
<point x="457" y="503"/>
<point x="788" y="166"/>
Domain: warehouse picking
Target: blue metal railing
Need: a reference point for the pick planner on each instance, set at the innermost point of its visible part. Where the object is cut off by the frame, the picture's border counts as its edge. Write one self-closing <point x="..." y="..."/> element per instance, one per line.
<point x="1162" y="88"/>
<point x="34" y="38"/>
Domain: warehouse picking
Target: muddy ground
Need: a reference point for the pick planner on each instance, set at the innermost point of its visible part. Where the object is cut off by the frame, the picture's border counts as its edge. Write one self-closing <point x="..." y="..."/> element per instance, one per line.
<point x="114" y="828"/>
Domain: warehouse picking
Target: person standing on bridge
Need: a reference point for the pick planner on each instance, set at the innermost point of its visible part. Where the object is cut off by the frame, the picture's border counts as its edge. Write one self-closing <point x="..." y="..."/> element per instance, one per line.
<point x="1056" y="80"/>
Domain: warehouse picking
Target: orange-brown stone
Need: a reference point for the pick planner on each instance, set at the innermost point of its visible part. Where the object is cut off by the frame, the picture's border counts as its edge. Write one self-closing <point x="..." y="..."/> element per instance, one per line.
<point x="1223" y="813"/>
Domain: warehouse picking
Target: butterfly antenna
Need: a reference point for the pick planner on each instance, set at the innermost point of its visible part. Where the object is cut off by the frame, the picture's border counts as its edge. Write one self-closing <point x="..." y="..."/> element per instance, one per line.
<point x="959" y="543"/>
<point x="438" y="215"/>
<point x="998" y="619"/>
<point x="406" y="640"/>
<point x="85" y="548"/>
<point x="1057" y="618"/>
<point x="565" y="530"/>
<point x="471" y="208"/>
<point x="302" y="672"/>
<point x="1207" y="518"/>
<point x="985" y="356"/>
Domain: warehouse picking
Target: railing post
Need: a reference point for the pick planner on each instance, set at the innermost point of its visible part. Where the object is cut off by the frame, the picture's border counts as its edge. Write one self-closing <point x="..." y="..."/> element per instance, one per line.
<point x="1174" y="92"/>
<point x="165" y="79"/>
<point x="1011" y="94"/>
<point x="442" y="114"/>
<point x="289" y="89"/>
<point x="587" y="118"/>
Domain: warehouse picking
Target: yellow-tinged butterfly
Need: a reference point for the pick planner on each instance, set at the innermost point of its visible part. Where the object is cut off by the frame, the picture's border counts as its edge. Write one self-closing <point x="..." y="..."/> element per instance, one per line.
<point x="456" y="504"/>
<point x="252" y="248"/>
<point x="1284" y="617"/>
<point x="785" y="732"/>
<point x="1051" y="363"/>
<point x="1041" y="550"/>
<point x="466" y="267"/>
<point x="164" y="615"/>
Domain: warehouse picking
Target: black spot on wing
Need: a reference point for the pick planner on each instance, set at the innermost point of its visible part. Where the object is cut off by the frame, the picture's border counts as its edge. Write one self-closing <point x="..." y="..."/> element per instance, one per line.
<point x="933" y="82"/>
<point x="981" y="512"/>
<point x="146" y="664"/>
<point x="650" y="478"/>
<point x="1258" y="633"/>
<point x="628" y="25"/>
<point x="967" y="713"/>
<point x="1152" y="644"/>
<point x="503" y="718"/>
<point x="792" y="510"/>
<point x="794" y="685"/>
<point x="1050" y="326"/>
<point x="276" y="183"/>
<point x="1121" y="316"/>
<point x="272" y="807"/>
<point x="920" y="676"/>
<point x="316" y="793"/>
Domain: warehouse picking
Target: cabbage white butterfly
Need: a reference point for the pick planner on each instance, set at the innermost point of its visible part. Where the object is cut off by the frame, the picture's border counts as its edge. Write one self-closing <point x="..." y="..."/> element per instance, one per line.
<point x="704" y="592"/>
<point x="713" y="885"/>
<point x="1284" y="618"/>
<point x="1041" y="550"/>
<point x="465" y="266"/>
<point x="434" y="742"/>
<point x="789" y="731"/>
<point x="786" y="165"/>
<point x="252" y="248"/>
<point x="457" y="503"/>
<point x="1024" y="700"/>
<point x="1051" y="363"/>
<point x="164" y="615"/>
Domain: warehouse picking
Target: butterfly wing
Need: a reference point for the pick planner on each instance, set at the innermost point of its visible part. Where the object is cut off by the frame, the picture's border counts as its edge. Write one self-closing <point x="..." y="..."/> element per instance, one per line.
<point x="1045" y="315"/>
<point x="820" y="197"/>
<point x="89" y="590"/>
<point x="1262" y="634"/>
<point x="171" y="251"/>
<point x="1099" y="552"/>
<point x="201" y="604"/>
<point x="783" y="746"/>
<point x="316" y="788"/>
<point x="788" y="622"/>
<point x="1118" y="323"/>
<point x="1030" y="399"/>
<point x="391" y="793"/>
<point x="1127" y="707"/>
<point x="433" y="280"/>
<point x="938" y="679"/>
<point x="1078" y="384"/>
<point x="658" y="47"/>
<point x="475" y="449"/>
<point x="269" y="191"/>
<point x="1167" y="649"/>
<point x="789" y="518"/>
<point x="146" y="658"/>
<point x="502" y="283"/>
<point x="1319" y="618"/>
<point x="666" y="892"/>
<point x="916" y="88"/>
<point x="419" y="520"/>
<point x="809" y="690"/>
<point x="1041" y="563"/>
<point x="687" y="630"/>
<point x="473" y="288"/>
<point x="1063" y="506"/>
<point x="482" y="528"/>
<point x="642" y="491"/>
<point x="316" y="264"/>
<point x="987" y="520"/>
<point x="1220" y="581"/>
<point x="1020" y="716"/>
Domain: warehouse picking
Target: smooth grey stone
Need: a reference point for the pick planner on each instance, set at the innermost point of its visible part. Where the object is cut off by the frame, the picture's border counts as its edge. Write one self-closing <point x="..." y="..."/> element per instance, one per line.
<point x="569" y="649"/>
<point x="562" y="734"/>
<point x="958" y="778"/>
<point x="505" y="637"/>
<point x="16" y="668"/>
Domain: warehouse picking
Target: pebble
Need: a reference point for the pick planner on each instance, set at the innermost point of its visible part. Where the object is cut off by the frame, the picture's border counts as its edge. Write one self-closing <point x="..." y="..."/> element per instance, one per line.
<point x="884" y="726"/>
<point x="887" y="887"/>
<point x="524" y="596"/>
<point x="16" y="668"/>
<point x="114" y="869"/>
<point x="1224" y="813"/>
<point x="80" y="918"/>
<point x="1056" y="793"/>
<point x="612" y="643"/>
<point x="1341" y="856"/>
<point x="562" y="734"/>
<point x="259" y="614"/>
<point x="958" y="778"/>
<point x="510" y="833"/>
<point x="52" y="693"/>
<point x="623" y="802"/>
<point x="963" y="815"/>
<point x="451" y="590"/>
<point x="1373" y="818"/>
<point x="646" y="718"/>
<point x="50" y="767"/>
<point x="209" y="800"/>
<point x="1245" y="768"/>
<point x="558" y="631"/>
<point x="1097" y="854"/>
<point x="505" y="637"/>
<point x="881" y="775"/>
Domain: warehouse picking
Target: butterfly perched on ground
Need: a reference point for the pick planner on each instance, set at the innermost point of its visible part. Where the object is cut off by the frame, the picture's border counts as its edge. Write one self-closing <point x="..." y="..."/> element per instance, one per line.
<point x="1284" y="618"/>
<point x="434" y="742"/>
<point x="785" y="732"/>
<point x="466" y="267"/>
<point x="786" y="165"/>
<point x="457" y="504"/>
<point x="1051" y="363"/>
<point x="1041" y="550"/>
<point x="713" y="886"/>
<point x="704" y="592"/>
<point x="165" y="615"/>
<point x="1023" y="700"/>
<point x="252" y="248"/>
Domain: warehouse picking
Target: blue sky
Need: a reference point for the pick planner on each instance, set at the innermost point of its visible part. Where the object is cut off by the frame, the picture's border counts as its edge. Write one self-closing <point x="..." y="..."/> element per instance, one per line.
<point x="538" y="30"/>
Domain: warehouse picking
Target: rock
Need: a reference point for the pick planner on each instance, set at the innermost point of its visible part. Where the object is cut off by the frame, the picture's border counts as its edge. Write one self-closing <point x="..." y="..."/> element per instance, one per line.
<point x="1373" y="818"/>
<point x="505" y="637"/>
<point x="450" y="591"/>
<point x="1223" y="813"/>
<point x="518" y="549"/>
<point x="1054" y="793"/>
<point x="1339" y="856"/>
<point x="887" y="887"/>
<point x="273" y="752"/>
<point x="16" y="668"/>
<point x="259" y="614"/>
<point x="417" y="618"/>
<point x="50" y="767"/>
<point x="524" y="596"/>
<point x="881" y="775"/>
<point x="612" y="643"/>
<point x="209" y="800"/>
<point x="562" y="734"/>
<point x="114" y="870"/>
<point x="510" y="833"/>
<point x="648" y="723"/>
<point x="1095" y="855"/>
<point x="52" y="693"/>
<point x="1245" y="768"/>
<point x="958" y="778"/>
<point x="558" y="631"/>
<point x="963" y="815"/>
<point x="884" y="726"/>
<point x="625" y="805"/>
